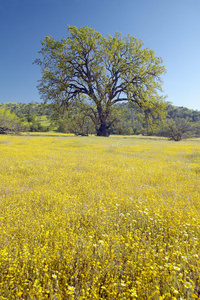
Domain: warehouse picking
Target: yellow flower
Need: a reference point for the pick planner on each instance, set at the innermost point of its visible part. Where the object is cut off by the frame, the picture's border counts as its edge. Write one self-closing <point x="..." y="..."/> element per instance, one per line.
<point x="187" y="285"/>
<point x="19" y="294"/>
<point x="71" y="290"/>
<point x="133" y="292"/>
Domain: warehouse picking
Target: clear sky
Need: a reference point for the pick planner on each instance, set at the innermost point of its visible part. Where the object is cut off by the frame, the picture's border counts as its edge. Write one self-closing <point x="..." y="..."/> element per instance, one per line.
<point x="170" y="27"/>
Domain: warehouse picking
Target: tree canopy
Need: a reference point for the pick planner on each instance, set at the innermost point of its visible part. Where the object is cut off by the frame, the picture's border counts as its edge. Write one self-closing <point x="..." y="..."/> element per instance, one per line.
<point x="9" y="122"/>
<point x="105" y="70"/>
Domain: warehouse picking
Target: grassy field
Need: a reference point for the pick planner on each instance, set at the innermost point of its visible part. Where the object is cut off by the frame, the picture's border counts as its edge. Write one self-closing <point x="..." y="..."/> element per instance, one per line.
<point x="99" y="218"/>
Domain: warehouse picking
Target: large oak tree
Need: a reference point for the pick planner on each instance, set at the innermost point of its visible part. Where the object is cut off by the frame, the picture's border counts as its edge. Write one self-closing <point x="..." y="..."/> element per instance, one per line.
<point x="106" y="70"/>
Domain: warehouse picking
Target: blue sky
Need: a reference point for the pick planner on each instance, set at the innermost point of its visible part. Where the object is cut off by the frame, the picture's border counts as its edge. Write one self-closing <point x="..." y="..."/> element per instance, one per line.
<point x="170" y="27"/>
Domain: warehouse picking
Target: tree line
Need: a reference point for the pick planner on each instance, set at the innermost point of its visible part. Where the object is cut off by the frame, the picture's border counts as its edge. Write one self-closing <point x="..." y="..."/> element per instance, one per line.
<point x="179" y="123"/>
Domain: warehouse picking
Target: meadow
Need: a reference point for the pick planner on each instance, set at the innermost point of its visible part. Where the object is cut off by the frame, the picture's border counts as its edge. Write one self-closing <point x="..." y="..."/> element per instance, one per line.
<point x="99" y="218"/>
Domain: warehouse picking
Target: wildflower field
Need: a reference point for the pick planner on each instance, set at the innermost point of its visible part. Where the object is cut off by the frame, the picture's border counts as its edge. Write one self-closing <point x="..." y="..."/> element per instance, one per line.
<point x="99" y="218"/>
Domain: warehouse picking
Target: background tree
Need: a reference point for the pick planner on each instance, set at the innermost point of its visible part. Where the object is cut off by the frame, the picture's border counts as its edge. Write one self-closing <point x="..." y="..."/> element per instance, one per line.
<point x="75" y="121"/>
<point x="177" y="129"/>
<point x="9" y="122"/>
<point x="107" y="70"/>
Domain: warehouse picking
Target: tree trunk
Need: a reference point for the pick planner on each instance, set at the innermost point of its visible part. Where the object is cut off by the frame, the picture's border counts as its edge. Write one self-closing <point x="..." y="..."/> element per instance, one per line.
<point x="103" y="130"/>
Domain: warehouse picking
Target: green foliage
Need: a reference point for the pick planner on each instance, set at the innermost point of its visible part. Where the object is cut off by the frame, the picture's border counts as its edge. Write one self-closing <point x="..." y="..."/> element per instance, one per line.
<point x="176" y="129"/>
<point x="26" y="110"/>
<point x="9" y="122"/>
<point x="180" y="123"/>
<point x="125" y="119"/>
<point x="32" y="114"/>
<point x="106" y="70"/>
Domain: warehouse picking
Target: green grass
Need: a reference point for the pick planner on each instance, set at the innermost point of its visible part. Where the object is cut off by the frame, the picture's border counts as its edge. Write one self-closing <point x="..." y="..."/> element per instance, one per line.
<point x="44" y="121"/>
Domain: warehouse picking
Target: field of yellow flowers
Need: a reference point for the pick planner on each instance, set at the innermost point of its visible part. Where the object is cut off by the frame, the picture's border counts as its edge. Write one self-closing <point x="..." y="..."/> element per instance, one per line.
<point x="99" y="218"/>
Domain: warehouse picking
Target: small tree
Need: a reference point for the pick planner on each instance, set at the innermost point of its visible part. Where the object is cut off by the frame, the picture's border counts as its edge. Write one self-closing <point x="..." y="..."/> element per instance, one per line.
<point x="107" y="70"/>
<point x="177" y="129"/>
